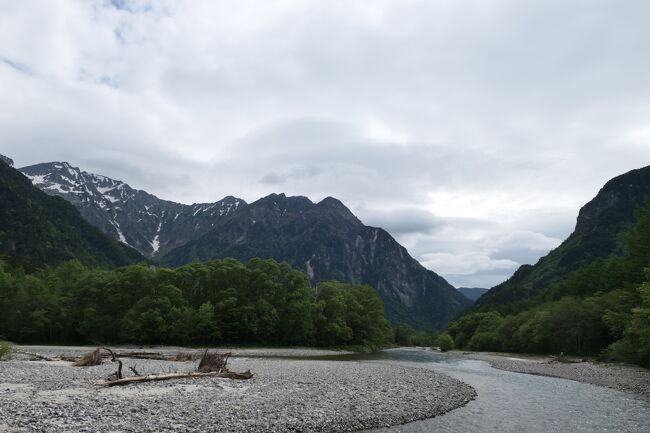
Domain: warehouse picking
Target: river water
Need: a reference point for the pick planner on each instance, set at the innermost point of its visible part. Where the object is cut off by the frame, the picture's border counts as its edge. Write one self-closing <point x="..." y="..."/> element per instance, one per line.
<point x="522" y="403"/>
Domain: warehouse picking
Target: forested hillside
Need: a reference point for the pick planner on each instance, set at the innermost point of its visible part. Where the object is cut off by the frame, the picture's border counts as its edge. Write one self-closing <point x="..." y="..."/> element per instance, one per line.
<point x="221" y="301"/>
<point x="596" y="236"/>
<point x="602" y="308"/>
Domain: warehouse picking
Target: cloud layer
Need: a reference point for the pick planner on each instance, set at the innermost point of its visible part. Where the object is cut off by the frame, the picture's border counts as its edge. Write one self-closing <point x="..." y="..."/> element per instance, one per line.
<point x="473" y="131"/>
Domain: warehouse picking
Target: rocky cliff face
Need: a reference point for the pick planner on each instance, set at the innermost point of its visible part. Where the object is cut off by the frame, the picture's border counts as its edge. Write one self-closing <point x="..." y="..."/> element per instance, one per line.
<point x="327" y="241"/>
<point x="136" y="218"/>
<point x="597" y="235"/>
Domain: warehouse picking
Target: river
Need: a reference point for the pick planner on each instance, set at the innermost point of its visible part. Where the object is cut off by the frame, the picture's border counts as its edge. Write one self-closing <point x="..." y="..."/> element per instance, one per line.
<point x="518" y="403"/>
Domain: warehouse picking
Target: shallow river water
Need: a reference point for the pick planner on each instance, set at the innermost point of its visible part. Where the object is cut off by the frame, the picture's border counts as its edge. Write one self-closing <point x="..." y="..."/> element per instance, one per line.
<point x="518" y="403"/>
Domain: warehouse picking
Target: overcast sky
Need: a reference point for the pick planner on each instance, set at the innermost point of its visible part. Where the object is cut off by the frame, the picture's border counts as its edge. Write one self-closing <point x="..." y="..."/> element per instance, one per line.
<point x="472" y="131"/>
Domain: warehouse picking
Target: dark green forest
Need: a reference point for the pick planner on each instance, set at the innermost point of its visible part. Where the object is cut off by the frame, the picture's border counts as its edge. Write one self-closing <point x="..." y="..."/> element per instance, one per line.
<point x="220" y="301"/>
<point x="601" y="309"/>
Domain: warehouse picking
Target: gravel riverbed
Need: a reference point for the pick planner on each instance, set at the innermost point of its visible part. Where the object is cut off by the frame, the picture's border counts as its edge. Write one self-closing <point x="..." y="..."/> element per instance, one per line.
<point x="284" y="395"/>
<point x="615" y="376"/>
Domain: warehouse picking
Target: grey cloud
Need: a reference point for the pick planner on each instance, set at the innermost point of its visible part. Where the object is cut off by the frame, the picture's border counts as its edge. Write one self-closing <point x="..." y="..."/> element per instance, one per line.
<point x="471" y="130"/>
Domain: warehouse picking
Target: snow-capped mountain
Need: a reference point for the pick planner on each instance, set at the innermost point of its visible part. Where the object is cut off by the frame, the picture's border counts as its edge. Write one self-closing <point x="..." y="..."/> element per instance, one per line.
<point x="134" y="217"/>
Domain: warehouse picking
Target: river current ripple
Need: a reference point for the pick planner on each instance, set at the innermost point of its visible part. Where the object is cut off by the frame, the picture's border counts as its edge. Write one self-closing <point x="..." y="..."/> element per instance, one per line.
<point x="523" y="403"/>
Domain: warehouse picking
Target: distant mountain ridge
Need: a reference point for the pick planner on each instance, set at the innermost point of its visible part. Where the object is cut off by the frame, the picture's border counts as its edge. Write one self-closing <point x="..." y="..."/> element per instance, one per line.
<point x="597" y="235"/>
<point x="472" y="293"/>
<point x="328" y="242"/>
<point x="36" y="229"/>
<point x="324" y="239"/>
<point x="136" y="218"/>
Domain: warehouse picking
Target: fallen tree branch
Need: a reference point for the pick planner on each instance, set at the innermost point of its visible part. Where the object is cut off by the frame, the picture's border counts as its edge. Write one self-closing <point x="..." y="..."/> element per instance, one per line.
<point x="139" y="355"/>
<point x="35" y="355"/>
<point x="118" y="374"/>
<point x="211" y="365"/>
<point x="169" y="376"/>
<point x="110" y="352"/>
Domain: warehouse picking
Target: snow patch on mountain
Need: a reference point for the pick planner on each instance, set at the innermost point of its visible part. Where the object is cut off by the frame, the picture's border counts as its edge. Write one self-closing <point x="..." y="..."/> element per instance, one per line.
<point x="103" y="202"/>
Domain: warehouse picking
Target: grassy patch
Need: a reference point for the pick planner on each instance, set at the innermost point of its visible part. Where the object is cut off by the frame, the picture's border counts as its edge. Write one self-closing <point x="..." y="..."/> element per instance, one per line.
<point x="6" y="351"/>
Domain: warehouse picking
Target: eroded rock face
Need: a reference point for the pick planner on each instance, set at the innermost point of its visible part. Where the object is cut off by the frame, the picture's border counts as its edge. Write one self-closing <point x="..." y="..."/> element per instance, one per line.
<point x="596" y="235"/>
<point x="327" y="241"/>
<point x="136" y="218"/>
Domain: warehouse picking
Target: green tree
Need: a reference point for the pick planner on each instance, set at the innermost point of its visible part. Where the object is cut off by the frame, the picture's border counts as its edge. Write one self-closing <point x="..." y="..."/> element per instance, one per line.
<point x="445" y="342"/>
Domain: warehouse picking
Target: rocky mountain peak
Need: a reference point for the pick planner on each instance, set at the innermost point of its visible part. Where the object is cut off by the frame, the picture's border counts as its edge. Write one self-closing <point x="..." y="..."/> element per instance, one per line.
<point x="134" y="217"/>
<point x="7" y="160"/>
<point x="334" y="205"/>
<point x="615" y="201"/>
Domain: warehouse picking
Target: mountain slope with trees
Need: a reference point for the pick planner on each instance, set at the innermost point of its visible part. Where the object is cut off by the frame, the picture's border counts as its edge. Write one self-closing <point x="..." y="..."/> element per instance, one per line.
<point x="600" y="308"/>
<point x="596" y="236"/>
<point x="327" y="241"/>
<point x="37" y="229"/>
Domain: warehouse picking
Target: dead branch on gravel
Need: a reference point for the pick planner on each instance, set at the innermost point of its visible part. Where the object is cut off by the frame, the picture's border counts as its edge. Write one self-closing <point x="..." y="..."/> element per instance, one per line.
<point x="34" y="356"/>
<point x="144" y="355"/>
<point x="211" y="365"/>
<point x="89" y="359"/>
<point x="168" y="376"/>
<point x="118" y="374"/>
<point x="213" y="361"/>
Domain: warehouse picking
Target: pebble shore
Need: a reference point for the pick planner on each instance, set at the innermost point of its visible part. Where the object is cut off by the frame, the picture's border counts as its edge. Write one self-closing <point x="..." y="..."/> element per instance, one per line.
<point x="284" y="396"/>
<point x="615" y="376"/>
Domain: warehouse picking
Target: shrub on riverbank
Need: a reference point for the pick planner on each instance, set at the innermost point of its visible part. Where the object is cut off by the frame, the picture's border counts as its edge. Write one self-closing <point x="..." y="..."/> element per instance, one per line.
<point x="6" y="351"/>
<point x="445" y="342"/>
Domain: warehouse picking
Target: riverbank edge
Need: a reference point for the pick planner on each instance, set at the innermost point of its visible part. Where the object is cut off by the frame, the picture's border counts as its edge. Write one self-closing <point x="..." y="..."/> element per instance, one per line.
<point x="420" y="402"/>
<point x="622" y="377"/>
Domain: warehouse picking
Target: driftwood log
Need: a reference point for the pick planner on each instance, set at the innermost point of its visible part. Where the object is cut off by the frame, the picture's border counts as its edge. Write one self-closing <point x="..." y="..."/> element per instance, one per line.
<point x="170" y="376"/>
<point x="211" y="365"/>
<point x="35" y="355"/>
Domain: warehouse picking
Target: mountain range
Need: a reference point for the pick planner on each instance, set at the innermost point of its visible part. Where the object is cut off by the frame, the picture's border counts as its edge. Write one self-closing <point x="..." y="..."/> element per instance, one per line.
<point x="324" y="239"/>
